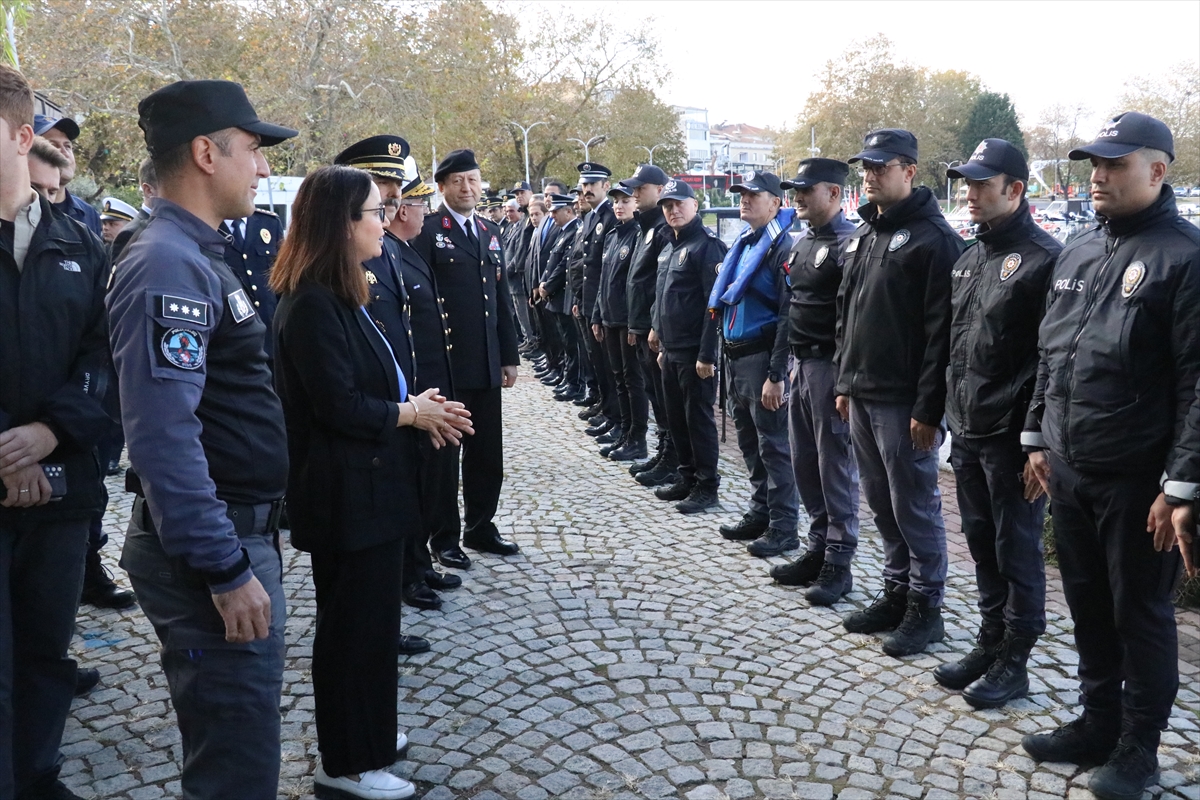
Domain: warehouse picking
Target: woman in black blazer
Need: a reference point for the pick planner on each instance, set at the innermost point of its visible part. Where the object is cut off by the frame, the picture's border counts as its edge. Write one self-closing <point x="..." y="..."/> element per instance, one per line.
<point x="352" y="490"/>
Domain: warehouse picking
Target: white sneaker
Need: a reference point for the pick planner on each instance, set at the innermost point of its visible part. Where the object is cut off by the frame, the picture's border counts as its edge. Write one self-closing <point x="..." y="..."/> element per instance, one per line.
<point x="376" y="784"/>
<point x="401" y="744"/>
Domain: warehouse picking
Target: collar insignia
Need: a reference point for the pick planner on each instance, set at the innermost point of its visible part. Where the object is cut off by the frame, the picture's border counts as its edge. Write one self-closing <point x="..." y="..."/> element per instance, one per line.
<point x="371" y="279"/>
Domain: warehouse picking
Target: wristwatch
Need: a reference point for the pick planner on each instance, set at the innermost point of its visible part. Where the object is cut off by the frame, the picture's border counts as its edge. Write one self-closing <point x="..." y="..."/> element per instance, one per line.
<point x="774" y="377"/>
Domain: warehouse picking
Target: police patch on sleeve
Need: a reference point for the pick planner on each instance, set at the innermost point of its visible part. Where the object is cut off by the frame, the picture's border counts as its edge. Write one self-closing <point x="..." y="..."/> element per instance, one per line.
<point x="899" y="239"/>
<point x="239" y="306"/>
<point x="173" y="307"/>
<point x="1011" y="262"/>
<point x="183" y="348"/>
<point x="1132" y="278"/>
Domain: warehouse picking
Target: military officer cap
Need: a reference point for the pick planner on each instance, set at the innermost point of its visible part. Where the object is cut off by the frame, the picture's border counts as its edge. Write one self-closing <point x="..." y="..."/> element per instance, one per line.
<point x="382" y="156"/>
<point x="558" y="201"/>
<point x="507" y="195"/>
<point x="41" y="124"/>
<point x="456" y="161"/>
<point x="646" y="173"/>
<point x="521" y="186"/>
<point x="1127" y="133"/>
<point x="115" y="209"/>
<point x="416" y="186"/>
<point x="590" y="172"/>
<point x="620" y="189"/>
<point x="881" y="146"/>
<point x="818" y="170"/>
<point x="574" y="191"/>
<point x="183" y="110"/>
<point x="991" y="158"/>
<point x="676" y="190"/>
<point x="757" y="182"/>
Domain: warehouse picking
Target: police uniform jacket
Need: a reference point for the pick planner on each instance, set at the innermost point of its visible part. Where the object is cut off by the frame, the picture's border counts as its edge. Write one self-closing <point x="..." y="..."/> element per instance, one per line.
<point x="389" y="304"/>
<point x="126" y="234"/>
<point x="252" y="262"/>
<point x="687" y="269"/>
<point x="202" y="422"/>
<point x="814" y="273"/>
<point x="1183" y="480"/>
<point x="643" y="268"/>
<point x="999" y="295"/>
<point x="558" y="299"/>
<point x="352" y="483"/>
<point x="611" y="308"/>
<point x="1120" y="344"/>
<point x="427" y="322"/>
<point x="54" y="364"/>
<point x="893" y="330"/>
<point x="602" y="220"/>
<point x="474" y="289"/>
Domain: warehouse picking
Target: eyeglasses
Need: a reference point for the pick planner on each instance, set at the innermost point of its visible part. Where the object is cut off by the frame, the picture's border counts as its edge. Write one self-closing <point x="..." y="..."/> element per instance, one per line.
<point x="877" y="169"/>
<point x="380" y="210"/>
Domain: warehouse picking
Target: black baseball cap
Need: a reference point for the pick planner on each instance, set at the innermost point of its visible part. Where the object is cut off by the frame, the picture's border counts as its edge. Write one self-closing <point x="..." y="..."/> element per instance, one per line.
<point x="991" y="158"/>
<point x="676" y="190"/>
<point x="818" y="170"/>
<point x="621" y="189"/>
<point x="183" y="110"/>
<point x="883" y="145"/>
<point x="758" y="182"/>
<point x="646" y="173"/>
<point x="41" y="124"/>
<point x="1127" y="133"/>
<point x="521" y="186"/>
<point x="455" y="161"/>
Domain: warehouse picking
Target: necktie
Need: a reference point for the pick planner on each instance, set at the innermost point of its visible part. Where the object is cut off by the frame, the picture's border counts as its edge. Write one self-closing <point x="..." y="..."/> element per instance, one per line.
<point x="470" y="226"/>
<point x="239" y="240"/>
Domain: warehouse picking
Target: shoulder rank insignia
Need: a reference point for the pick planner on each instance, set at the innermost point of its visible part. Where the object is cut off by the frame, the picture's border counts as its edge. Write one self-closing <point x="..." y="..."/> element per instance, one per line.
<point x="899" y="239"/>
<point x="371" y="278"/>
<point x="184" y="348"/>
<point x="265" y="235"/>
<point x="446" y="223"/>
<point x="239" y="305"/>
<point x="1011" y="262"/>
<point x="194" y="311"/>
<point x="821" y="254"/>
<point x="1133" y="278"/>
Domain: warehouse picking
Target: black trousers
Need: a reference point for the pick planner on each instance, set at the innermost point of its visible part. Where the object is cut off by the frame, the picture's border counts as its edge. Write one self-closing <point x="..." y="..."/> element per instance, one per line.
<point x="1119" y="591"/>
<point x="482" y="460"/>
<point x="574" y="365"/>
<point x="354" y="656"/>
<point x="439" y="499"/>
<point x="689" y="404"/>
<point x="628" y="380"/>
<point x="652" y="380"/>
<point x="1003" y="531"/>
<point x="602" y="376"/>
<point x="548" y="336"/>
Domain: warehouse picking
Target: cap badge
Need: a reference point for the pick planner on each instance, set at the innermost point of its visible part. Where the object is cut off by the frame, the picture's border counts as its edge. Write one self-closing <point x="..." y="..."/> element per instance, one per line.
<point x="624" y="252"/>
<point x="978" y="154"/>
<point x="821" y="254"/>
<point x="1133" y="278"/>
<point x="637" y="171"/>
<point x="670" y="186"/>
<point x="1107" y="132"/>
<point x="599" y="228"/>
<point x="586" y="168"/>
<point x="899" y="239"/>
<point x="749" y="176"/>
<point x="183" y="348"/>
<point x="265" y="235"/>
<point x="371" y="279"/>
<point x="1011" y="262"/>
<point x="874" y="141"/>
<point x="394" y="149"/>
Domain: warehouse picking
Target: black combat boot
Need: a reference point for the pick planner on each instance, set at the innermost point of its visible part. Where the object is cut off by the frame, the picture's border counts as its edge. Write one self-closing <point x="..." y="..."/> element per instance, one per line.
<point x="800" y="572"/>
<point x="834" y="583"/>
<point x="633" y="448"/>
<point x="747" y="529"/>
<point x="613" y="434"/>
<point x="1007" y="678"/>
<point x="645" y="466"/>
<point x="99" y="589"/>
<point x="1085" y="740"/>
<point x="679" y="490"/>
<point x="1130" y="769"/>
<point x="883" y="615"/>
<point x="774" y="542"/>
<point x="921" y="625"/>
<point x="699" y="500"/>
<point x="961" y="674"/>
<point x="613" y="446"/>
<point x="664" y="472"/>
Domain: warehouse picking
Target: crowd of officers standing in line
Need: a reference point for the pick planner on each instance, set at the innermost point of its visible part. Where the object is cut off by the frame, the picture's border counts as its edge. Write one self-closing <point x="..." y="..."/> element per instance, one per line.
<point x="1067" y="374"/>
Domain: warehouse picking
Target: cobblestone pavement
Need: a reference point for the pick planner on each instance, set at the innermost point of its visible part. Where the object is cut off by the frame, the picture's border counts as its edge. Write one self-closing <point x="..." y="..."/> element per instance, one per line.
<point x="630" y="652"/>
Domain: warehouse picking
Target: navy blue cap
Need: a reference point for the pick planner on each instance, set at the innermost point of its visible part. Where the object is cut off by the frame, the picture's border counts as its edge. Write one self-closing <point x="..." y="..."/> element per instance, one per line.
<point x="455" y="161"/>
<point x="521" y="186"/>
<point x="590" y="172"/>
<point x="1127" y="133"/>
<point x="758" y="182"/>
<point x="991" y="158"/>
<point x="676" y="190"/>
<point x="558" y="201"/>
<point x="382" y="156"/>
<point x="818" y="170"/>
<point x="621" y="189"/>
<point x="183" y="110"/>
<point x="41" y="124"/>
<point x="883" y="145"/>
<point x="646" y="173"/>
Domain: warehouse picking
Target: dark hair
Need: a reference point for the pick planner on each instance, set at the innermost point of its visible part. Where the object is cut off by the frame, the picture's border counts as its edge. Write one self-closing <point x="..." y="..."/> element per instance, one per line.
<point x="1009" y="180"/>
<point x="558" y="183"/>
<point x="16" y="98"/>
<point x="147" y="174"/>
<point x="317" y="246"/>
<point x="168" y="164"/>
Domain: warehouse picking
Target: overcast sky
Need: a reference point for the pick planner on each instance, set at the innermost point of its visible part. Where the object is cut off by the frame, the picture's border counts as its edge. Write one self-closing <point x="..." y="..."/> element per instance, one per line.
<point x="1039" y="53"/>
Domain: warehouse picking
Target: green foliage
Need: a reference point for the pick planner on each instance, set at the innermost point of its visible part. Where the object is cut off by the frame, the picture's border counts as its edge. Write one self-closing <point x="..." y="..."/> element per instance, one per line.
<point x="992" y="117"/>
<point x="1175" y="99"/>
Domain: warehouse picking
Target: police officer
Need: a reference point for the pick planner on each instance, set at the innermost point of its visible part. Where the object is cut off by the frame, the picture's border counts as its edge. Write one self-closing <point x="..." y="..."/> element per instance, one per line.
<point x="822" y="457"/>
<point x="647" y="183"/>
<point x="608" y="317"/>
<point x="685" y="336"/>
<point x="515" y="236"/>
<point x="253" y="243"/>
<point x="1120" y="356"/>
<point x="207" y="445"/>
<point x="62" y="133"/>
<point x="53" y="379"/>
<point x="587" y="259"/>
<point x="750" y="297"/>
<point x="1181" y="490"/>
<point x="115" y="214"/>
<point x="149" y="187"/>
<point x="892" y="345"/>
<point x="555" y="292"/>
<point x="542" y="236"/>
<point x="467" y="258"/>
<point x="999" y="294"/>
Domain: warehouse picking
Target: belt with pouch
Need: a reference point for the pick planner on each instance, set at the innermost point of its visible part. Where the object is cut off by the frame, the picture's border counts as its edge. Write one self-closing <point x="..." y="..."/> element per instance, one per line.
<point x="812" y="351"/>
<point x="735" y="350"/>
<point x="248" y="520"/>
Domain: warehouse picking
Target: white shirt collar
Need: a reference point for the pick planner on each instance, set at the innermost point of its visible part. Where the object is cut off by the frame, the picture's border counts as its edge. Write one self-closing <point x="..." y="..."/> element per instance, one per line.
<point x="460" y="219"/>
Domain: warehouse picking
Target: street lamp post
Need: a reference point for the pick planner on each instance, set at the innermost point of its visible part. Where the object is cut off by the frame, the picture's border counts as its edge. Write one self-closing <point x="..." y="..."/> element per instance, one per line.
<point x="586" y="145"/>
<point x="649" y="150"/>
<point x="949" y="166"/>
<point x="525" y="133"/>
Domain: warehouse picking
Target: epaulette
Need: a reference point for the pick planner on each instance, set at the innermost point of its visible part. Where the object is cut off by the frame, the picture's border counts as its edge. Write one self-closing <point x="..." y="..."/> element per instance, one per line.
<point x="268" y="212"/>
